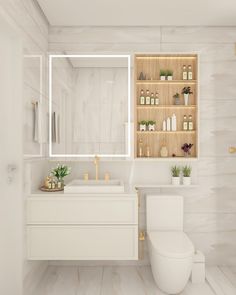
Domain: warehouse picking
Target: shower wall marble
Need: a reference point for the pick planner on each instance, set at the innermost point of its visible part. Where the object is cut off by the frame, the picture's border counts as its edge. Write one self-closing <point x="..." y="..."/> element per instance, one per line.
<point x="99" y="111"/>
<point x="210" y="209"/>
<point x="27" y="19"/>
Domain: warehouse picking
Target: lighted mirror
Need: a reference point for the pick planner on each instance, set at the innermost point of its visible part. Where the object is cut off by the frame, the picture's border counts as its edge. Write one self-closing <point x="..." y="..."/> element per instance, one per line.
<point x="89" y="105"/>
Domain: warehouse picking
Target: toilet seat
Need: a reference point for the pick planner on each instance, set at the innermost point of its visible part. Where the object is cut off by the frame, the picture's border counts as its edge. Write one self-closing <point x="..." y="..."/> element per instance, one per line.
<point x="175" y="244"/>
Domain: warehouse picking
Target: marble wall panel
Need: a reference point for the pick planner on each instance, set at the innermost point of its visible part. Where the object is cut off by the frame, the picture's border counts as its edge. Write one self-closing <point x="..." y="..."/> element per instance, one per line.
<point x="210" y="208"/>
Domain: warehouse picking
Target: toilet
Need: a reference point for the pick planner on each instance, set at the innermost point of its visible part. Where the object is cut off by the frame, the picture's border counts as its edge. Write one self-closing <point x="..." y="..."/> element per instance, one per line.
<point x="171" y="252"/>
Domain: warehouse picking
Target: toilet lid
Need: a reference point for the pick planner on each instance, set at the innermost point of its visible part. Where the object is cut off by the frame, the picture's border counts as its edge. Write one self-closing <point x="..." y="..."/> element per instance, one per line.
<point x="171" y="244"/>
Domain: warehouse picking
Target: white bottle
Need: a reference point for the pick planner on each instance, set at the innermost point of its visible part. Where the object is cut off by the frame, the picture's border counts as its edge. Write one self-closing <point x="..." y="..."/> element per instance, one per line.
<point x="185" y="73"/>
<point x="173" y="123"/>
<point x="164" y="125"/>
<point x="148" y="98"/>
<point x="190" y="73"/>
<point x="168" y="124"/>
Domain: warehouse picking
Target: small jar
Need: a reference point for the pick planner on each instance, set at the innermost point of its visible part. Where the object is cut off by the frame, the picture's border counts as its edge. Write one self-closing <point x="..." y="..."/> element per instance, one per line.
<point x="60" y="183"/>
<point x="164" y="152"/>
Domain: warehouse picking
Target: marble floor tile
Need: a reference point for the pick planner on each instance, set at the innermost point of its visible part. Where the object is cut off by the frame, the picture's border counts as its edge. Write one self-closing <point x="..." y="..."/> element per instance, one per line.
<point x="230" y="274"/>
<point x="109" y="280"/>
<point x="220" y="282"/>
<point x="127" y="280"/>
<point x="90" y="280"/>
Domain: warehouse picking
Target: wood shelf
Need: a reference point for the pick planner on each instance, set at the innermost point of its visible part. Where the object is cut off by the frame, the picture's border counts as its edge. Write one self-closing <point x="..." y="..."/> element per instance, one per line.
<point x="143" y="82"/>
<point x="166" y="107"/>
<point x="150" y="65"/>
<point x="149" y="57"/>
<point x="166" y="132"/>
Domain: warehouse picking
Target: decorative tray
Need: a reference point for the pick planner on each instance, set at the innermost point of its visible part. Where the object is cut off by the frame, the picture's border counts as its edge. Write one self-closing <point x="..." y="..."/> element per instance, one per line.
<point x="45" y="189"/>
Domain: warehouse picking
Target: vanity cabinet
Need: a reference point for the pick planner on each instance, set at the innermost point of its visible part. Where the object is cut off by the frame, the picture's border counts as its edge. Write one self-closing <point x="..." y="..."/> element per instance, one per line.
<point x="88" y="227"/>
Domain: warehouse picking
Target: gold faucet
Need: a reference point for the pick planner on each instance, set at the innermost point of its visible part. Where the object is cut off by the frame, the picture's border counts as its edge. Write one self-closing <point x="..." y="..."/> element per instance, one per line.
<point x="96" y="163"/>
<point x="232" y="149"/>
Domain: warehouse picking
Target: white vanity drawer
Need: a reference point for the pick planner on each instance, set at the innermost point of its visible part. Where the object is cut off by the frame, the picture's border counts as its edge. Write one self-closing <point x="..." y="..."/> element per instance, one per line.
<point x="82" y="242"/>
<point x="82" y="210"/>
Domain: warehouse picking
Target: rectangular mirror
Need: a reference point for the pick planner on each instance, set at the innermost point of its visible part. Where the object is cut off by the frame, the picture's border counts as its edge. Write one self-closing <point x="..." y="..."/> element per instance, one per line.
<point x="89" y="103"/>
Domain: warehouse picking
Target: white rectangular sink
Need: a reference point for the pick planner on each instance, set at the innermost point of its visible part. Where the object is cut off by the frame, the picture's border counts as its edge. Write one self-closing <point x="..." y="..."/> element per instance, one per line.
<point x="94" y="186"/>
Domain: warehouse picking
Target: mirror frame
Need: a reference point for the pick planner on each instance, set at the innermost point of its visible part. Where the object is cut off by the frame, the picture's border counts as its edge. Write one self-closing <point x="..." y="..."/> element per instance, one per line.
<point x="128" y="135"/>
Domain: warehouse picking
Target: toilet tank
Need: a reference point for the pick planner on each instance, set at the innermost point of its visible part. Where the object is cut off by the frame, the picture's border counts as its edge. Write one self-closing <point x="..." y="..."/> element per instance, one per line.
<point x="164" y="213"/>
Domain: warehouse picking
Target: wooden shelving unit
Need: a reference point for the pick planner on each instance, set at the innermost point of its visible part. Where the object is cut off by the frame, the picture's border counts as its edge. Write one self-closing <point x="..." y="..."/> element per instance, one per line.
<point x="150" y="65"/>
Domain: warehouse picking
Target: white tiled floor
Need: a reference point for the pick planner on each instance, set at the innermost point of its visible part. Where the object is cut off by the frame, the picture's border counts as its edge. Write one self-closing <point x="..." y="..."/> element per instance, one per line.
<point x="107" y="280"/>
<point x="222" y="279"/>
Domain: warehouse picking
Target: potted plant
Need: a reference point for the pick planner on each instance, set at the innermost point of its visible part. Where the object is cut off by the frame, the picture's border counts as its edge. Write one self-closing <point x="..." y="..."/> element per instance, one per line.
<point x="186" y="91"/>
<point x="186" y="147"/>
<point x="60" y="172"/>
<point x="175" y="171"/>
<point x="151" y="125"/>
<point x="176" y="97"/>
<point x="169" y="74"/>
<point x="143" y="125"/>
<point x="162" y="74"/>
<point x="186" y="170"/>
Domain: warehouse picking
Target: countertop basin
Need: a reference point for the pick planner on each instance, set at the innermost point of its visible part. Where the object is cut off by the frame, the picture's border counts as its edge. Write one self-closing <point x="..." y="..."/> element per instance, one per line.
<point x="94" y="186"/>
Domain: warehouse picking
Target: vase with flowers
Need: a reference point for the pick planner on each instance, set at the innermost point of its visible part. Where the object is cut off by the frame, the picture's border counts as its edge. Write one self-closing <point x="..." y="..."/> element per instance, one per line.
<point x="186" y="147"/>
<point x="186" y="91"/>
<point x="60" y="172"/>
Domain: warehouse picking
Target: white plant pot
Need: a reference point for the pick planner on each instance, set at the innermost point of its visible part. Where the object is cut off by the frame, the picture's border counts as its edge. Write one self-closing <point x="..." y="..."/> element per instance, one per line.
<point x="162" y="77"/>
<point x="186" y="180"/>
<point x="169" y="78"/>
<point x="142" y="127"/>
<point x="151" y="127"/>
<point x="186" y="99"/>
<point x="175" y="180"/>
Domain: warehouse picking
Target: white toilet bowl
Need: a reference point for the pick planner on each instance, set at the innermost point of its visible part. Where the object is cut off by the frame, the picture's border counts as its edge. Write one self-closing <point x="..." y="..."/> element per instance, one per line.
<point x="171" y="251"/>
<point x="171" y="256"/>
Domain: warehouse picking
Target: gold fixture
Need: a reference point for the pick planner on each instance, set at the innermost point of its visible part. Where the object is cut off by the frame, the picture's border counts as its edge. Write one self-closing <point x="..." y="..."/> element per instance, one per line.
<point x="142" y="235"/>
<point x="232" y="149"/>
<point x="86" y="176"/>
<point x="141" y="240"/>
<point x="107" y="176"/>
<point x="96" y="163"/>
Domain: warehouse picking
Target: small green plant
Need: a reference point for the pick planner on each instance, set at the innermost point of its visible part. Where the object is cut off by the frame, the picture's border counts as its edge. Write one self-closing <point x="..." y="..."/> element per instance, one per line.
<point x="169" y="73"/>
<point x="143" y="122"/>
<point x="151" y="122"/>
<point x="187" y="90"/>
<point x="176" y="95"/>
<point x="175" y="171"/>
<point x="61" y="171"/>
<point x="162" y="73"/>
<point x="186" y="171"/>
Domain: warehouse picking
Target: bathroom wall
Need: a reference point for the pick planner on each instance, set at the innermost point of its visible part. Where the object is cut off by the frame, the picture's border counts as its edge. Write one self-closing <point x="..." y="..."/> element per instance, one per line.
<point x="210" y="209"/>
<point x="27" y="19"/>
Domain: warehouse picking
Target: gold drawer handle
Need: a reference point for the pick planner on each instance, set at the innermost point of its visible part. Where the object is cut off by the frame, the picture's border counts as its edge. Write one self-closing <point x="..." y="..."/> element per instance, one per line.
<point x="232" y="149"/>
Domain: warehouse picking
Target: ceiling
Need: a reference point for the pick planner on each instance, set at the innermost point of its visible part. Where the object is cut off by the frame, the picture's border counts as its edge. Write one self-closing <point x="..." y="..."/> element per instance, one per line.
<point x="139" y="13"/>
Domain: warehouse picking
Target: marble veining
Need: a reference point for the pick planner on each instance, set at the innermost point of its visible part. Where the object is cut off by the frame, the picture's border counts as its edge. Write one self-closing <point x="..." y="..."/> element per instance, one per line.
<point x="115" y="280"/>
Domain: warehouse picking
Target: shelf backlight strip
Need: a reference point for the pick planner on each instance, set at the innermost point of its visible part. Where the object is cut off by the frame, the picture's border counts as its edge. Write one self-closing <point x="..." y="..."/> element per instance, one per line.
<point x="166" y="57"/>
<point x="162" y="83"/>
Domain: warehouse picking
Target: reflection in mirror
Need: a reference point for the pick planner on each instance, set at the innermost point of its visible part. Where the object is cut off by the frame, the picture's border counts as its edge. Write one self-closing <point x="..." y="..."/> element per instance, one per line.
<point x="89" y="105"/>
